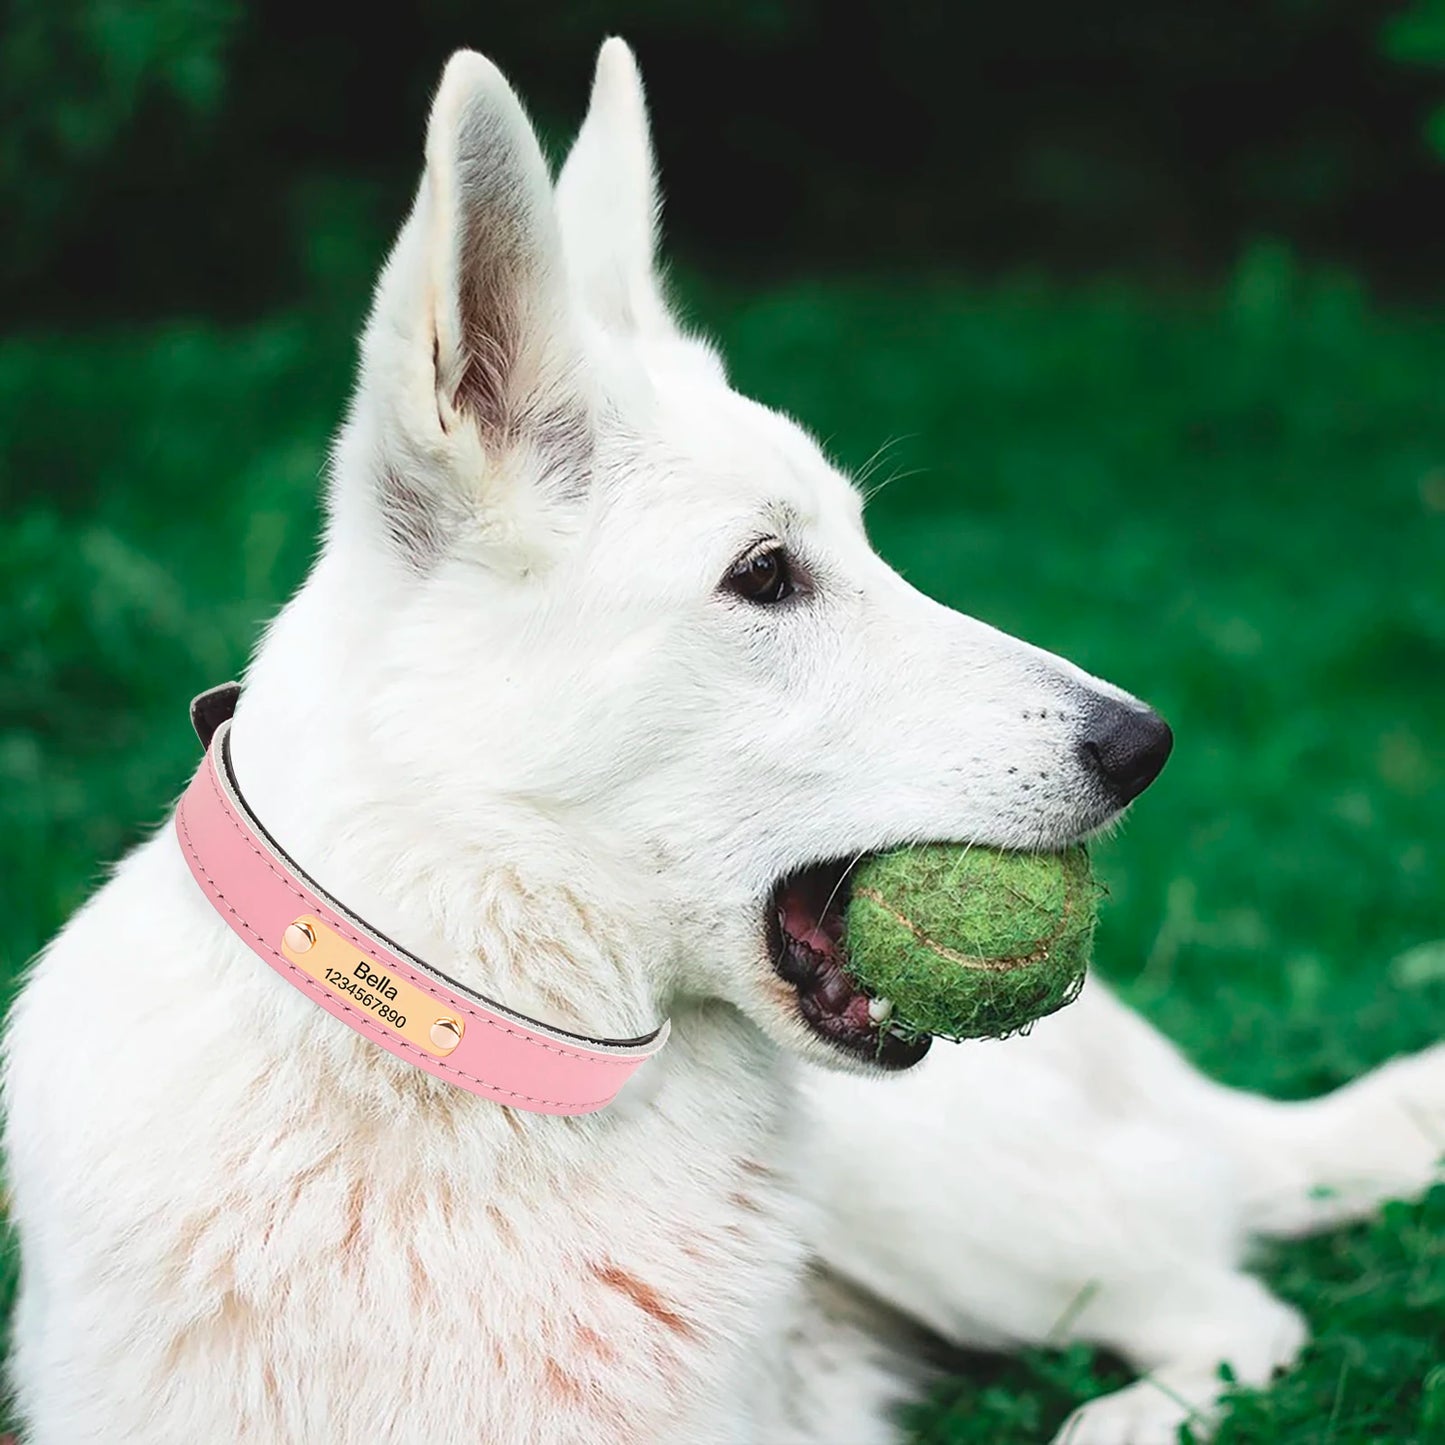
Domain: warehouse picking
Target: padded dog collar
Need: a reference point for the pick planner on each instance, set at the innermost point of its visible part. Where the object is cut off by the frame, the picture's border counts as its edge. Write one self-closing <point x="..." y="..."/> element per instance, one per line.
<point x="364" y="979"/>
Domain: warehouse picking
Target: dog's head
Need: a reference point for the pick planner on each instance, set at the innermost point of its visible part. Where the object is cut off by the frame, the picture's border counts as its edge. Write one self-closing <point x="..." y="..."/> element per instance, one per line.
<point x="601" y="595"/>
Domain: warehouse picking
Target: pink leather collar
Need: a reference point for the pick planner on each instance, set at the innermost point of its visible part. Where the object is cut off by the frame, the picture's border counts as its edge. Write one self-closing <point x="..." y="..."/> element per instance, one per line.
<point x="364" y="979"/>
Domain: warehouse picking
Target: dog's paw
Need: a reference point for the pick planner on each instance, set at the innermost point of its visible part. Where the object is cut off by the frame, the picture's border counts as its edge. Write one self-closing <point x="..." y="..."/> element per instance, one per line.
<point x="1394" y="1135"/>
<point x="1335" y="1159"/>
<point x="1148" y="1412"/>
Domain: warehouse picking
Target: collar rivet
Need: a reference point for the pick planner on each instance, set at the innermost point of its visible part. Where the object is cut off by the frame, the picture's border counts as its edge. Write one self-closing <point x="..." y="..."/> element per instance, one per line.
<point x="446" y="1034"/>
<point x="299" y="937"/>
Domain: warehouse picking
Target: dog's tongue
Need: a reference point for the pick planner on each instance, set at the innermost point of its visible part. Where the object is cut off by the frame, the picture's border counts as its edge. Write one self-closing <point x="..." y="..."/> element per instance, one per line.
<point x="809" y="921"/>
<point x="813" y="922"/>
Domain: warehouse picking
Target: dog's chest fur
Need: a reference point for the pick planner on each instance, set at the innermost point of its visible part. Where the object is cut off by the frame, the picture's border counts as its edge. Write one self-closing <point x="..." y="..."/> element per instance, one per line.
<point x="276" y="1198"/>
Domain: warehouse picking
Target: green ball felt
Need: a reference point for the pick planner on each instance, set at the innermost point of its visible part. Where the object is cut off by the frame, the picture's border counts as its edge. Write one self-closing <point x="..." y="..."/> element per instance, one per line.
<point x="970" y="942"/>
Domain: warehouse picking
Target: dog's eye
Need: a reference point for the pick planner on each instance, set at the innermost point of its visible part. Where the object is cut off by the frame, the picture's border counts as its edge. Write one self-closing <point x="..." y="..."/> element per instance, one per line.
<point x="762" y="577"/>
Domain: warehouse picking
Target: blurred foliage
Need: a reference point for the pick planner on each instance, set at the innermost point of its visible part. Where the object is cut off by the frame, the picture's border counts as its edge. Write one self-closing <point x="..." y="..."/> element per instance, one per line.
<point x="1232" y="503"/>
<point x="1417" y="37"/>
<point x="167" y="154"/>
<point x="75" y="80"/>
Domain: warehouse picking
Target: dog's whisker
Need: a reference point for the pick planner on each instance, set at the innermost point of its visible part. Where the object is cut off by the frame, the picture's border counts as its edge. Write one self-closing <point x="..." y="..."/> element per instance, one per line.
<point x="873" y="490"/>
<point x="843" y="878"/>
<point x="877" y="458"/>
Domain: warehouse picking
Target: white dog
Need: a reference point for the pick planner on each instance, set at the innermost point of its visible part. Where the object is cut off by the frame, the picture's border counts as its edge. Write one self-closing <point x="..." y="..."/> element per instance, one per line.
<point x="593" y="676"/>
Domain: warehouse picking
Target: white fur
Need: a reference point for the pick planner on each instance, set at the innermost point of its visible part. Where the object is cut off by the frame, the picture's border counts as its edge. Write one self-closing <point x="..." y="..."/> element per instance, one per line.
<point x="512" y="720"/>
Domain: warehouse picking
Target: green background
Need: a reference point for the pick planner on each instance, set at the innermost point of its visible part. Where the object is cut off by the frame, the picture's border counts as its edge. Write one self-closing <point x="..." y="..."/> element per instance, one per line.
<point x="1132" y="312"/>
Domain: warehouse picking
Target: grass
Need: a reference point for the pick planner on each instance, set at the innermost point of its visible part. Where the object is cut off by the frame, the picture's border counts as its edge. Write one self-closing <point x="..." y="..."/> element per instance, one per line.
<point x="1233" y="505"/>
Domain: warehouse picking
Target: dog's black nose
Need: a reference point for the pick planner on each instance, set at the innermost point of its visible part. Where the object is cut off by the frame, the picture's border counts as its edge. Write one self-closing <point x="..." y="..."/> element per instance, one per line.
<point x="1126" y="744"/>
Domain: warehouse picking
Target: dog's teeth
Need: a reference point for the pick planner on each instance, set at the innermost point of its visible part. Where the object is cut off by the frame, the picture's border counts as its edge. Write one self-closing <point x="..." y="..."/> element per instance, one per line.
<point x="880" y="1009"/>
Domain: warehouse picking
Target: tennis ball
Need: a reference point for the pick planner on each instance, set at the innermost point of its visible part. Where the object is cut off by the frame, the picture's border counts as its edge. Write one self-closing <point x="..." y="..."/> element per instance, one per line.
<point x="969" y="942"/>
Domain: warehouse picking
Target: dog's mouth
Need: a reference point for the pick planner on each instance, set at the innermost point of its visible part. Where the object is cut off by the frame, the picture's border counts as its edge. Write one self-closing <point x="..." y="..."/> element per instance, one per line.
<point x="805" y="925"/>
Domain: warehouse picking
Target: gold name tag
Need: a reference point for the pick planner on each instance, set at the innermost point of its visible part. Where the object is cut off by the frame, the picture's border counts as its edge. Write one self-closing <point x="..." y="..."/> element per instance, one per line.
<point x="343" y="970"/>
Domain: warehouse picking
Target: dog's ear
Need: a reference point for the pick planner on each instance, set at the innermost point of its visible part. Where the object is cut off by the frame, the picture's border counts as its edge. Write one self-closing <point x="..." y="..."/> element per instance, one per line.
<point x="473" y="415"/>
<point x="607" y="202"/>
